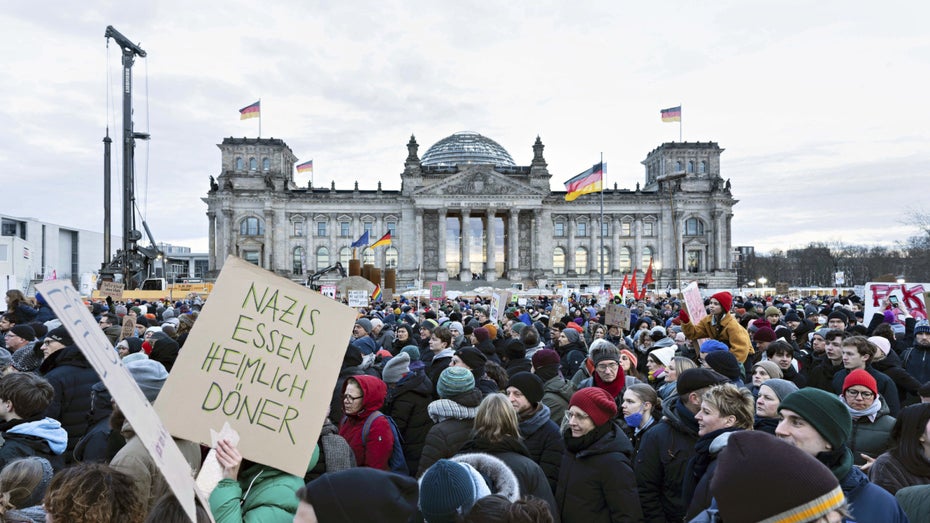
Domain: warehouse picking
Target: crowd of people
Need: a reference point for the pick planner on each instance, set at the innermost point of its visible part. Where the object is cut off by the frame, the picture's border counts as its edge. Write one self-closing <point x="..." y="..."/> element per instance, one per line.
<point x="767" y="409"/>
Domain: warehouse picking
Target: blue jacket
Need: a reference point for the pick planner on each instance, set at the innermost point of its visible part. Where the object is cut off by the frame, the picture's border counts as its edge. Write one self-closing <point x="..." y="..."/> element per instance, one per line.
<point x="869" y="502"/>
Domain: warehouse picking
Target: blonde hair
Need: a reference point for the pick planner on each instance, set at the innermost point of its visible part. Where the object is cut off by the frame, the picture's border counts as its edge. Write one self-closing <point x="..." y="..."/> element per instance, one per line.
<point x="731" y="401"/>
<point x="496" y="419"/>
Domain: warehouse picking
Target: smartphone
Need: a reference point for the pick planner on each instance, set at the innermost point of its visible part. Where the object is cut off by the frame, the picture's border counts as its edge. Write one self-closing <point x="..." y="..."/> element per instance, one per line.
<point x="893" y="300"/>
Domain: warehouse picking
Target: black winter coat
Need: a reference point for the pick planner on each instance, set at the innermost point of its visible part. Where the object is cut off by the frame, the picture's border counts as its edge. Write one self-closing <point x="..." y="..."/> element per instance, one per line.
<point x="518" y="365"/>
<point x="544" y="443"/>
<point x="454" y="419"/>
<point x="907" y="385"/>
<point x="821" y="374"/>
<point x="597" y="484"/>
<point x="663" y="456"/>
<point x="407" y="404"/>
<point x="72" y="377"/>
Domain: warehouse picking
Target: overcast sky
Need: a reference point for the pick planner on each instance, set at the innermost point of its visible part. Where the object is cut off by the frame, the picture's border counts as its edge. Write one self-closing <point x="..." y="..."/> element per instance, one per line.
<point x="820" y="106"/>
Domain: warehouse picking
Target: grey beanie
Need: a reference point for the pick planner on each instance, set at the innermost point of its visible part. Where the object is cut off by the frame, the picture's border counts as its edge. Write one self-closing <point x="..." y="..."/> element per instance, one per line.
<point x="396" y="368"/>
<point x="6" y="359"/>
<point x="28" y="359"/>
<point x="35" y="498"/>
<point x="365" y="323"/>
<point x="149" y="374"/>
<point x="571" y="334"/>
<point x="781" y="387"/>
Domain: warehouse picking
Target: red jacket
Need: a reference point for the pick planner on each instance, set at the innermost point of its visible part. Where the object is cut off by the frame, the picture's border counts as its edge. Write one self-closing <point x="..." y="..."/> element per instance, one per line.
<point x="376" y="452"/>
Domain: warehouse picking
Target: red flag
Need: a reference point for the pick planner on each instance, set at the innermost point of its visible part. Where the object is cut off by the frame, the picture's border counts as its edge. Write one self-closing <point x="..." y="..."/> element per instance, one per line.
<point x="648" y="279"/>
<point x="625" y="286"/>
<point x="634" y="287"/>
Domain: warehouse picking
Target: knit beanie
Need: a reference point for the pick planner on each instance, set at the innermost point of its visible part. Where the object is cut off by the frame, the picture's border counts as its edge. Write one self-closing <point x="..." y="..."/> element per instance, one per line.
<point x="862" y="378"/>
<point x="482" y="334"/>
<point x="24" y="331"/>
<point x="664" y="355"/>
<point x="781" y="387"/>
<point x="595" y="402"/>
<point x="725" y="363"/>
<point x="698" y="378"/>
<point x="472" y="357"/>
<point x="792" y="316"/>
<point x="922" y="326"/>
<point x="571" y="335"/>
<point x="823" y="411"/>
<point x="447" y="491"/>
<point x="529" y="384"/>
<point x="514" y="349"/>
<point x="352" y="357"/>
<point x="629" y="354"/>
<point x="59" y="334"/>
<point x="457" y="327"/>
<point x="396" y="368"/>
<point x="518" y="327"/>
<point x="150" y="375"/>
<point x="412" y="351"/>
<point x="725" y="299"/>
<point x="28" y="359"/>
<point x="492" y="330"/>
<point x="603" y="350"/>
<point x="772" y="311"/>
<point x="393" y="497"/>
<point x="764" y="334"/>
<point x="454" y="381"/>
<point x="712" y="345"/>
<point x="429" y="325"/>
<point x="365" y="323"/>
<point x="841" y="316"/>
<point x="545" y="357"/>
<point x="882" y="343"/>
<point x="770" y="368"/>
<point x="38" y="492"/>
<point x="801" y="488"/>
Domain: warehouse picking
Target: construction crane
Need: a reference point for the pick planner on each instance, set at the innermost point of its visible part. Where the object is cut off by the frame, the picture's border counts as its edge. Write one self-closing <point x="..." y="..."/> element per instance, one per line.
<point x="311" y="280"/>
<point x="131" y="264"/>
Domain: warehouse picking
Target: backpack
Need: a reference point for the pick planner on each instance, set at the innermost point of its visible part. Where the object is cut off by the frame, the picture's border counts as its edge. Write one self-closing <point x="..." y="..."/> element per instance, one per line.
<point x="397" y="463"/>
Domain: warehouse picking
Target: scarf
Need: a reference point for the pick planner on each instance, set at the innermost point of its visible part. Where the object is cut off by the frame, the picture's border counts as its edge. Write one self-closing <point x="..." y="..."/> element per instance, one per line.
<point x="576" y="445"/>
<point x="839" y="461"/>
<point x="870" y="412"/>
<point x="614" y="388"/>
<point x="686" y="416"/>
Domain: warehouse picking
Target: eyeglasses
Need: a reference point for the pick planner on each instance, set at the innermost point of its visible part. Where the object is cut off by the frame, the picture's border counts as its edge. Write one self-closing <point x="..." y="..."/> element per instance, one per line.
<point x="864" y="394"/>
<point x="580" y="416"/>
<point x="613" y="365"/>
<point x="350" y="397"/>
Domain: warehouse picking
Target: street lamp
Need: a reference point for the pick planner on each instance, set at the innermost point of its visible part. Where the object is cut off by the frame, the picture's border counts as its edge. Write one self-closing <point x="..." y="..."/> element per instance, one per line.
<point x="762" y="281"/>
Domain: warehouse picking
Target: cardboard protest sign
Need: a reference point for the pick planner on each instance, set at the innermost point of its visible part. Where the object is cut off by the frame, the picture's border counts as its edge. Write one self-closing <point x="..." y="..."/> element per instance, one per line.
<point x="112" y="289"/>
<point x="74" y="316"/>
<point x="499" y="303"/>
<point x="557" y="312"/>
<point x="263" y="355"/>
<point x="911" y="297"/>
<point x="358" y="298"/>
<point x="329" y="291"/>
<point x="617" y="315"/>
<point x="694" y="302"/>
<point x="437" y="290"/>
<point x="128" y="328"/>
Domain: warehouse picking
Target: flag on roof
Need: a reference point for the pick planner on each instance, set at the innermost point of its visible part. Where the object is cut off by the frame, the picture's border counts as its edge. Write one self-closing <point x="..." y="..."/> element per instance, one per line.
<point x="585" y="183"/>
<point x="306" y="167"/>
<point x="385" y="240"/>
<point x="672" y="114"/>
<point x="251" y="111"/>
<point x="361" y="242"/>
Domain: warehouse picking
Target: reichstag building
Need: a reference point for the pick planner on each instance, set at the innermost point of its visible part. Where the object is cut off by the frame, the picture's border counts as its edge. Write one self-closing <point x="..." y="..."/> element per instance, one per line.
<point x="467" y="213"/>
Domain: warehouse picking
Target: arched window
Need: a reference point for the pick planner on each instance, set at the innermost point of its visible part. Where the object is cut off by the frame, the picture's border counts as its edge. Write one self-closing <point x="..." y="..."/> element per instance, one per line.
<point x="691" y="166"/>
<point x="266" y="164"/>
<point x="251" y="226"/>
<point x="702" y="167"/>
<point x="581" y="260"/>
<point x="322" y="258"/>
<point x="345" y="254"/>
<point x="626" y="259"/>
<point x="648" y="255"/>
<point x="299" y="261"/>
<point x="368" y="256"/>
<point x="694" y="227"/>
<point x="558" y="261"/>
<point x="253" y="164"/>
<point x="240" y="165"/>
<point x="603" y="260"/>
<point x="391" y="257"/>
<point x="678" y="167"/>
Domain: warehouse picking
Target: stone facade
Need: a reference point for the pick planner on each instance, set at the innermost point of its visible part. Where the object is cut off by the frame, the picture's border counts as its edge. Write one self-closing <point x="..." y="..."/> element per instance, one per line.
<point x="477" y="217"/>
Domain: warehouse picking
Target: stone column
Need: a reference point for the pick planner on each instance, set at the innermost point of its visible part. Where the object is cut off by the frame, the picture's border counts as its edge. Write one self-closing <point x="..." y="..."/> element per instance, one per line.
<point x="593" y="242"/>
<point x="615" y="247"/>
<point x="230" y="234"/>
<point x="211" y="216"/>
<point x="465" y="273"/>
<point x="443" y="274"/>
<point x="419" y="242"/>
<point x="268" y="250"/>
<point x="309" y="255"/>
<point x="378" y="231"/>
<point x="332" y="227"/>
<point x="570" y="255"/>
<point x="636" y="258"/>
<point x="490" y="268"/>
<point x="513" y="254"/>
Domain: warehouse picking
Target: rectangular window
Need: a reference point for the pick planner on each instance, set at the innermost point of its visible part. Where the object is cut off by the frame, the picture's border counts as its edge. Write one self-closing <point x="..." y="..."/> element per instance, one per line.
<point x="298" y="228"/>
<point x="392" y="228"/>
<point x="582" y="229"/>
<point x="368" y="226"/>
<point x="625" y="229"/>
<point x="648" y="229"/>
<point x="252" y="257"/>
<point x="343" y="228"/>
<point x="605" y="230"/>
<point x="559" y="229"/>
<point x="321" y="229"/>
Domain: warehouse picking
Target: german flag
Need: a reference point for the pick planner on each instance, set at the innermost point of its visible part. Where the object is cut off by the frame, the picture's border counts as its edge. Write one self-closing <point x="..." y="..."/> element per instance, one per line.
<point x="587" y="182"/>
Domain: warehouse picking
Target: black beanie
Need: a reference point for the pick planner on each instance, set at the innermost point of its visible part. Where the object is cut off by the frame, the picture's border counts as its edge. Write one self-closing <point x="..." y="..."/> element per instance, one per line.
<point x="472" y="357"/>
<point x="514" y="349"/>
<point x="392" y="497"/>
<point x="724" y="362"/>
<point x="836" y="314"/>
<point x="529" y="384"/>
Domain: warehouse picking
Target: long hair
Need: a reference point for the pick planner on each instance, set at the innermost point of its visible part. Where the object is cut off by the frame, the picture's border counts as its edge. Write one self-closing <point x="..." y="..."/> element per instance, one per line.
<point x="905" y="439"/>
<point x="20" y="479"/>
<point x="681" y="364"/>
<point x="496" y="420"/>
<point x="94" y="493"/>
<point x="731" y="401"/>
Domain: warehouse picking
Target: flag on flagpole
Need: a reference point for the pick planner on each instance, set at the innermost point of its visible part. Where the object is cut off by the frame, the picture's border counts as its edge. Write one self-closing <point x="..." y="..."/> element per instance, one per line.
<point x="585" y="183"/>
<point x="385" y="240"/>
<point x="625" y="285"/>
<point x="361" y="242"/>
<point x="648" y="278"/>
<point x="634" y="287"/>
<point x="251" y="111"/>
<point x="306" y="167"/>
<point x="376" y="294"/>
<point x="672" y="114"/>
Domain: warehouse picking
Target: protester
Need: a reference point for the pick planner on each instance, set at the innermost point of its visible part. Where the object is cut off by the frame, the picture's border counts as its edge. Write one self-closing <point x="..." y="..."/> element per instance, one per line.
<point x="23" y="483"/>
<point x="538" y="432"/>
<point x="719" y="325"/>
<point x="355" y="495"/>
<point x="409" y="395"/>
<point x="25" y="430"/>
<point x="362" y="397"/>
<point x="452" y="414"/>
<point x="762" y="372"/>
<point x="907" y="463"/>
<point x="678" y="365"/>
<point x="251" y="491"/>
<point x="641" y="410"/>
<point x="871" y="422"/>
<point x="769" y="398"/>
<point x="93" y="493"/>
<point x="557" y="391"/>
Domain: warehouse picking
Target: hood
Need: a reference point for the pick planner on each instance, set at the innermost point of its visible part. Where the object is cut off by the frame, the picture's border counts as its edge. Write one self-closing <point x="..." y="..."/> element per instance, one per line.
<point x="560" y="386"/>
<point x="501" y="480"/>
<point x="664" y="342"/>
<point x="70" y="356"/>
<point x="674" y="418"/>
<point x="536" y="421"/>
<point x="165" y="344"/>
<point x="374" y="391"/>
<point x="47" y="429"/>
<point x="854" y="479"/>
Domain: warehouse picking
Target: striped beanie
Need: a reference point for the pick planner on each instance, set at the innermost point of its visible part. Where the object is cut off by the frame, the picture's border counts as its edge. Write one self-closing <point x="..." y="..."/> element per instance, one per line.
<point x="454" y="381"/>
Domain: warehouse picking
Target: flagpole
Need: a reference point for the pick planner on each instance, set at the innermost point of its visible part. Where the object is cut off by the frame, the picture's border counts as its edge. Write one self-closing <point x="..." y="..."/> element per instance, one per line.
<point x="601" y="223"/>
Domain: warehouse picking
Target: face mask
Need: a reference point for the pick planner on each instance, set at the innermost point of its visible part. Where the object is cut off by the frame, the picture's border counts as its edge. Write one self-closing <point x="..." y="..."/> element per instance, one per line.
<point x="633" y="420"/>
<point x="822" y="320"/>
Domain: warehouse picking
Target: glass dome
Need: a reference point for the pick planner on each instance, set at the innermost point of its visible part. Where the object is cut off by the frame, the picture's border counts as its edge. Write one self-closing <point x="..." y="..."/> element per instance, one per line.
<point x="466" y="147"/>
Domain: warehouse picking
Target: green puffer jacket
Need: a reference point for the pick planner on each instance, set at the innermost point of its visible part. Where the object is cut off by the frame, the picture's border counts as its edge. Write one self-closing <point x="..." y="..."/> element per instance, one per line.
<point x="266" y="494"/>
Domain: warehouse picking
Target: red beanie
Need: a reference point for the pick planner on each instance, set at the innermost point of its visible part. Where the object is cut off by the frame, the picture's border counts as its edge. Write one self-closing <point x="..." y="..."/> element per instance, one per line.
<point x="482" y="334"/>
<point x="630" y="355"/>
<point x="725" y="299"/>
<point x="573" y="325"/>
<point x="860" y="377"/>
<point x="595" y="402"/>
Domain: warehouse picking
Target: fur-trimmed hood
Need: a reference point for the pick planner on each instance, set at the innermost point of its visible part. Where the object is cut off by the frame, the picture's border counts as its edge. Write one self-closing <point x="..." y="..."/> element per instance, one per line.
<point x="501" y="480"/>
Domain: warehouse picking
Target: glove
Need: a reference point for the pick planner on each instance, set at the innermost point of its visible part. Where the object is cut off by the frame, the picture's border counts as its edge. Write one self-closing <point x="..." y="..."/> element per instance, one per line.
<point x="683" y="316"/>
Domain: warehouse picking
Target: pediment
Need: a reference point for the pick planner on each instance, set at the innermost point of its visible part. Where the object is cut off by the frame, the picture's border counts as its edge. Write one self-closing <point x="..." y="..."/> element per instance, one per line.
<point x="480" y="180"/>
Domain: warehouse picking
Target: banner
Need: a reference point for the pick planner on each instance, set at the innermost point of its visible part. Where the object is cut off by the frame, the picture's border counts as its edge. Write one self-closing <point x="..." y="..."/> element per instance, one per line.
<point x="558" y="311"/>
<point x="262" y="355"/>
<point x="911" y="297"/>
<point x="89" y="337"/>
<point x="358" y="298"/>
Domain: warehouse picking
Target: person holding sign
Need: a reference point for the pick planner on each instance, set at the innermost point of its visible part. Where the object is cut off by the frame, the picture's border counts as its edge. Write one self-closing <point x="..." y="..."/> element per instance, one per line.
<point x="719" y="325"/>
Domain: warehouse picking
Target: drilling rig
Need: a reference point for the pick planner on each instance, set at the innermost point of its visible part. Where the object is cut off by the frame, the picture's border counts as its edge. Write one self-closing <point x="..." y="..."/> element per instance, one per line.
<point x="133" y="263"/>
